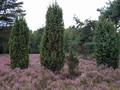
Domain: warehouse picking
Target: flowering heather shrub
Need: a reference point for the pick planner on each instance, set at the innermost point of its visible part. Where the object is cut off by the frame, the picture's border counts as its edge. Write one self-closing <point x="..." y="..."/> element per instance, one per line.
<point x="37" y="77"/>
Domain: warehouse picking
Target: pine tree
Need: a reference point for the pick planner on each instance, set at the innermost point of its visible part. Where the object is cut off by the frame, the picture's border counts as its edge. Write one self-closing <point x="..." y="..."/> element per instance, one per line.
<point x="18" y="44"/>
<point x="9" y="9"/>
<point x="106" y="44"/>
<point x="112" y="11"/>
<point x="52" y="56"/>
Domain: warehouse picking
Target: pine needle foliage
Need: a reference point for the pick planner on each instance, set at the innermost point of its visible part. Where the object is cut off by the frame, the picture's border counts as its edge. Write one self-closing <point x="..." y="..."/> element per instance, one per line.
<point x="73" y="62"/>
<point x="18" y="44"/>
<point x="51" y="53"/>
<point x="107" y="44"/>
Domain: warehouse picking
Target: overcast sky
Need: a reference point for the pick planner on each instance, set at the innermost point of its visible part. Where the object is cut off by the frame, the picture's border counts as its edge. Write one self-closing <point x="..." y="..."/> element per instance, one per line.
<point x="84" y="9"/>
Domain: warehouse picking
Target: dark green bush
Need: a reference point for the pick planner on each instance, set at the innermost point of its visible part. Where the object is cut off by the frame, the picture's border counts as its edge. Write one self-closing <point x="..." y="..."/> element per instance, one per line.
<point x="106" y="44"/>
<point x="18" y="44"/>
<point x="51" y="48"/>
<point x="73" y="62"/>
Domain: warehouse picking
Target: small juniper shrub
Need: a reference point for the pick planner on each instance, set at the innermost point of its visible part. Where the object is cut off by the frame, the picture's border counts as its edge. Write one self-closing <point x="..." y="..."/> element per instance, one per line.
<point x="107" y="44"/>
<point x="73" y="63"/>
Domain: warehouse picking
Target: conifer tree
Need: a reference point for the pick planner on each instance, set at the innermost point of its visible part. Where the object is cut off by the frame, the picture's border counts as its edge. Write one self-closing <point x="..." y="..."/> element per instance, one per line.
<point x="18" y="44"/>
<point x="8" y="11"/>
<point x="106" y="44"/>
<point x="51" y="53"/>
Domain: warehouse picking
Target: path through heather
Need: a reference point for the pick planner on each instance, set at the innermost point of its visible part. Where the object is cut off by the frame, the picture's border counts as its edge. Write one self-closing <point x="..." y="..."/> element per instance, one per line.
<point x="37" y="77"/>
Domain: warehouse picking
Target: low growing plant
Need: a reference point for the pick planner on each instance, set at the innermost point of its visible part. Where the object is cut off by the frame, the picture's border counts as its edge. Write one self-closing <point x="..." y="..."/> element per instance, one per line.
<point x="73" y="62"/>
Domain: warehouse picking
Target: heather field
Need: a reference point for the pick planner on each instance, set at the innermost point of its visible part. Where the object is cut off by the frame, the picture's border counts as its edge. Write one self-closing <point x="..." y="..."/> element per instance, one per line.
<point x="88" y="77"/>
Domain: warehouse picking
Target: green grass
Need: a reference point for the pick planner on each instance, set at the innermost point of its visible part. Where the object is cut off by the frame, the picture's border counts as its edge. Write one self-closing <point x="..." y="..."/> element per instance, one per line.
<point x="4" y="54"/>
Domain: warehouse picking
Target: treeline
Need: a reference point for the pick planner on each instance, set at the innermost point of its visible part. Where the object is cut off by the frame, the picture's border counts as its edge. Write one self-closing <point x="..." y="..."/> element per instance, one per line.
<point x="4" y="38"/>
<point x="78" y="37"/>
<point x="34" y="40"/>
<point x="9" y="10"/>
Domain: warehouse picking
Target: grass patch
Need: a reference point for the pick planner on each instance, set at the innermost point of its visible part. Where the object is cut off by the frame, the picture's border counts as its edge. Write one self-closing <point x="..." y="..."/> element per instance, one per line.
<point x="4" y="54"/>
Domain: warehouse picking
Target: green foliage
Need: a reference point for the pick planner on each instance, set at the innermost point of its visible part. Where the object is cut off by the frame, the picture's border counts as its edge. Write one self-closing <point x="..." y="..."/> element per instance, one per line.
<point x="86" y="37"/>
<point x="51" y="51"/>
<point x="18" y="44"/>
<point x="9" y="9"/>
<point x="80" y="38"/>
<point x="34" y="40"/>
<point x="112" y="12"/>
<point x="73" y="62"/>
<point x="4" y="37"/>
<point x="106" y="44"/>
<point x="71" y="39"/>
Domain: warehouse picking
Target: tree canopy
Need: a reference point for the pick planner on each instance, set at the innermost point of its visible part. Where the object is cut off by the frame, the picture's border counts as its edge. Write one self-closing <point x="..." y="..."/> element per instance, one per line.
<point x="112" y="12"/>
<point x="9" y="9"/>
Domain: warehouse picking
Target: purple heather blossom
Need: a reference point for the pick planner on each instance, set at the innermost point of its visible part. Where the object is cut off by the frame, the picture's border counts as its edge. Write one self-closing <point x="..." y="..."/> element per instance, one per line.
<point x="36" y="77"/>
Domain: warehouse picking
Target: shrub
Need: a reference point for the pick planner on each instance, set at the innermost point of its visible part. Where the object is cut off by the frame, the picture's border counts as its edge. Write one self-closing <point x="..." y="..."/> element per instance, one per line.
<point x="73" y="62"/>
<point x="106" y="44"/>
<point x="18" y="44"/>
<point x="52" y="56"/>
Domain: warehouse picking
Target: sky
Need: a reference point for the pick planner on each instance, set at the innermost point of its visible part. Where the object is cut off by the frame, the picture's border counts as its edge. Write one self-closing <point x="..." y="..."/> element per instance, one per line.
<point x="83" y="9"/>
